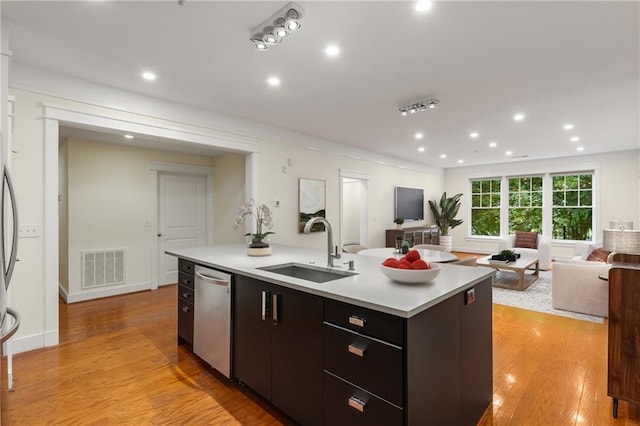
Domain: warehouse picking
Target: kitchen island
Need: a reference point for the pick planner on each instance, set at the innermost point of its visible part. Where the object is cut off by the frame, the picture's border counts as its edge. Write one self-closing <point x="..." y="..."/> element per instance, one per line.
<point x="359" y="349"/>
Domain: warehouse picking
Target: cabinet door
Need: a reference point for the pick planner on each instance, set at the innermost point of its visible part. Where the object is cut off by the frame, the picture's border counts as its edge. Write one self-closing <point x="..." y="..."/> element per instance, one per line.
<point x="476" y="364"/>
<point x="252" y="335"/>
<point x="623" y="379"/>
<point x="433" y="365"/>
<point x="297" y="373"/>
<point x="185" y="321"/>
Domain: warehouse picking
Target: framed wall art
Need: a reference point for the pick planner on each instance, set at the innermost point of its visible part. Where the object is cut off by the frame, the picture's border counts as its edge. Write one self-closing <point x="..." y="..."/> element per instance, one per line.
<point x="311" y="202"/>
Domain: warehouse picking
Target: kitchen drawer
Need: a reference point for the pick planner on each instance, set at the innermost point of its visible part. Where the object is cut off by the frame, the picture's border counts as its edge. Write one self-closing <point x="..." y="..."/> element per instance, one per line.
<point x="185" y="280"/>
<point x="185" y="293"/>
<point x="365" y="321"/>
<point x="370" y="364"/>
<point x="185" y="320"/>
<point x="186" y="266"/>
<point x="341" y="400"/>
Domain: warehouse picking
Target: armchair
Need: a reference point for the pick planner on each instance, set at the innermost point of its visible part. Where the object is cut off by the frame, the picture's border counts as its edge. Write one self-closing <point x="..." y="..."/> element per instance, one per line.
<point x="576" y="287"/>
<point x="542" y="250"/>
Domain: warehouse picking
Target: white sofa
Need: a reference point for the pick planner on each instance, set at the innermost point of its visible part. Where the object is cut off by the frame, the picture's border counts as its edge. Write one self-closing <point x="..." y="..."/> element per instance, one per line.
<point x="576" y="285"/>
<point x="543" y="252"/>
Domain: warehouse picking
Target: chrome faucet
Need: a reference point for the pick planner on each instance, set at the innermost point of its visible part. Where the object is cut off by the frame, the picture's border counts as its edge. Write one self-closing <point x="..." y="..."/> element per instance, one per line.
<point x="330" y="254"/>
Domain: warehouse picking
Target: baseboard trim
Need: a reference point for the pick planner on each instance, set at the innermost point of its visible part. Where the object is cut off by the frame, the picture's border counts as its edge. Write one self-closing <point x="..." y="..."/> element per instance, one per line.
<point x="102" y="292"/>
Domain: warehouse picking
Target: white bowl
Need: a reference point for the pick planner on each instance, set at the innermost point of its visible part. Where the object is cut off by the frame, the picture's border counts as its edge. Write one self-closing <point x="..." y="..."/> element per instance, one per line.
<point x="412" y="276"/>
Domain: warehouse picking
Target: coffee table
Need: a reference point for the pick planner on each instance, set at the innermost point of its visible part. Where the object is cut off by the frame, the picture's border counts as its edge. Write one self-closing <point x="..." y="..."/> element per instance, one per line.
<point x="512" y="275"/>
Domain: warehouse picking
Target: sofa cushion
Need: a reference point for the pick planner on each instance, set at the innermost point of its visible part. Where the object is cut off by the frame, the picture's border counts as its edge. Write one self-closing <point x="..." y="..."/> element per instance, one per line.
<point x="526" y="240"/>
<point x="598" y="255"/>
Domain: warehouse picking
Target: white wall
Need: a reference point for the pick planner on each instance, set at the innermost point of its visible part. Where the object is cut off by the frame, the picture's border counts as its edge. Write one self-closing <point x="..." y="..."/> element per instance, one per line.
<point x="314" y="164"/>
<point x="110" y="202"/>
<point x="228" y="184"/>
<point x="618" y="189"/>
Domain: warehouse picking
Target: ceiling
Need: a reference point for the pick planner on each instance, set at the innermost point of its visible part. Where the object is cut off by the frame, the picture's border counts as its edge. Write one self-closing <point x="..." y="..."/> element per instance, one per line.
<point x="556" y="62"/>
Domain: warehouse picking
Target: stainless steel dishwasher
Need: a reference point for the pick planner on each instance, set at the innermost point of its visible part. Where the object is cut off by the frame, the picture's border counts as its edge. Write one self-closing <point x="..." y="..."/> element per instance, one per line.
<point x="212" y="318"/>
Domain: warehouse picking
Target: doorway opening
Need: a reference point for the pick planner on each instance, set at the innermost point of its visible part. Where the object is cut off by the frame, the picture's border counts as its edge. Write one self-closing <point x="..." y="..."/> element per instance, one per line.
<point x="354" y="217"/>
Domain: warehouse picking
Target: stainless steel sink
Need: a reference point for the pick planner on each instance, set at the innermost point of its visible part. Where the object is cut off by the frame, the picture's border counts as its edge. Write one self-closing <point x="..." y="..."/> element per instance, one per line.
<point x="306" y="272"/>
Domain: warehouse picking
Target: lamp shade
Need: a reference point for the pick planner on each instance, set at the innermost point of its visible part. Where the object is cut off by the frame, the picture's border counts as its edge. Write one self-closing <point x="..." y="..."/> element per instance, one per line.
<point x="620" y="224"/>
<point x="621" y="240"/>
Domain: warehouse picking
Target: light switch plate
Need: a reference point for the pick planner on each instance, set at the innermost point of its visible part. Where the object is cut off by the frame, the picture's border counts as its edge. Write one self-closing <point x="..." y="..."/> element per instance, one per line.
<point x="29" y="230"/>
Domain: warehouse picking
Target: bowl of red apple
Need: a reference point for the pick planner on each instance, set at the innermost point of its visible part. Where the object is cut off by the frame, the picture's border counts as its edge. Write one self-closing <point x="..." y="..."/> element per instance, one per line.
<point x="411" y="268"/>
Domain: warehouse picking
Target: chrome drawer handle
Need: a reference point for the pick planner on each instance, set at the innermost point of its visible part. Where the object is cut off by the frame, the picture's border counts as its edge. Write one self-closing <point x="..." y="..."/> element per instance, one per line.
<point x="185" y="309"/>
<point x="357" y="403"/>
<point x="356" y="350"/>
<point x="186" y="295"/>
<point x="357" y="321"/>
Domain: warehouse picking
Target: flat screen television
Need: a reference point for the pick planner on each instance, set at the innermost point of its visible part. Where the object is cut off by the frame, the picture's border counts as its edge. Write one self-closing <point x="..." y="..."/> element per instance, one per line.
<point x="409" y="203"/>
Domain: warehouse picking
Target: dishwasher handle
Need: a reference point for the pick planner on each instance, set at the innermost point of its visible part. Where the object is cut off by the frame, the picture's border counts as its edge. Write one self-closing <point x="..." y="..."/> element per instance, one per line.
<point x="212" y="280"/>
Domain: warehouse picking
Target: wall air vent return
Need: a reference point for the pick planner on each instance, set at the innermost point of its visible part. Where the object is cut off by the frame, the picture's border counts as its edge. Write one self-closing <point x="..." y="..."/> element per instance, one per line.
<point x="102" y="267"/>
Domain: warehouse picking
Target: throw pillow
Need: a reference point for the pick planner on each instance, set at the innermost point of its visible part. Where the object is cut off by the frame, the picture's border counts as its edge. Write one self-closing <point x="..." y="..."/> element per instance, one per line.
<point x="526" y="240"/>
<point x="598" y="255"/>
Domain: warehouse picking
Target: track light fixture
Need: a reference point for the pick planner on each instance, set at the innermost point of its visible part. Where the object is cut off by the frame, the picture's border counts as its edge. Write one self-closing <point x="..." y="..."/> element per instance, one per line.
<point x="414" y="107"/>
<point x="277" y="27"/>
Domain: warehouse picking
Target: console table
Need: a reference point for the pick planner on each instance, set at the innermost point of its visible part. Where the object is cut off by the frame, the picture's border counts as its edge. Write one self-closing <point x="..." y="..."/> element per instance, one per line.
<point x="414" y="235"/>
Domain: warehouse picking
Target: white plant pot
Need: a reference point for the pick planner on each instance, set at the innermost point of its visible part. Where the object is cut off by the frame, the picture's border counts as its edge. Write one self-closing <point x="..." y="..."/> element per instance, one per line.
<point x="262" y="251"/>
<point x="446" y="241"/>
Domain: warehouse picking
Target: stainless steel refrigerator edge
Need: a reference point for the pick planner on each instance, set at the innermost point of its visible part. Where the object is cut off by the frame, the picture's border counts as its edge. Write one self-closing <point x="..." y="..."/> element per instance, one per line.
<point x="7" y="328"/>
<point x="212" y="318"/>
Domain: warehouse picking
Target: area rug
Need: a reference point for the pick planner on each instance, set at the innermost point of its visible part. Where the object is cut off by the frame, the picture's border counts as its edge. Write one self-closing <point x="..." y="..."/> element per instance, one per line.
<point x="537" y="298"/>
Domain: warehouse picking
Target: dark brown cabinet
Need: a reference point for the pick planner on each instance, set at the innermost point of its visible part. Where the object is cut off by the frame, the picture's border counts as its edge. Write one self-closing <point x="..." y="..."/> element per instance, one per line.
<point x="433" y="368"/>
<point x="185" y="301"/>
<point x="623" y="379"/>
<point x="277" y="347"/>
<point x="414" y="235"/>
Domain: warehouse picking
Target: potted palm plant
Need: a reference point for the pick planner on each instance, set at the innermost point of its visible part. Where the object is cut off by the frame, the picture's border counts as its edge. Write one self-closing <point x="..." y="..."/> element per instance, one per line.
<point x="444" y="214"/>
<point x="398" y="221"/>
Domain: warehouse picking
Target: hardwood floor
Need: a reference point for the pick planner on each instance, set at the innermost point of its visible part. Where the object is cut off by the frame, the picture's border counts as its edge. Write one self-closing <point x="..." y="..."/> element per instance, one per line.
<point x="118" y="363"/>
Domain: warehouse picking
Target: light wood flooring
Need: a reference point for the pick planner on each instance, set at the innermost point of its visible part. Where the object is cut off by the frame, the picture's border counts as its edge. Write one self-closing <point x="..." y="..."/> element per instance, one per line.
<point x="118" y="363"/>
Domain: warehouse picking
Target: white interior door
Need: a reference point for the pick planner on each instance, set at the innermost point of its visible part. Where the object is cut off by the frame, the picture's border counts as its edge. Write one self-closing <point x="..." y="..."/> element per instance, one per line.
<point x="181" y="219"/>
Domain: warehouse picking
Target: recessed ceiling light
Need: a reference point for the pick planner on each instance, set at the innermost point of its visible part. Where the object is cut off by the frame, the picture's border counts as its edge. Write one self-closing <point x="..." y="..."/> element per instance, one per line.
<point x="443" y="155"/>
<point x="508" y="153"/>
<point x="492" y="144"/>
<point x="332" y="51"/>
<point x="580" y="148"/>
<point x="423" y="5"/>
<point x="273" y="81"/>
<point x="148" y="75"/>
<point x="518" y="117"/>
<point x="474" y="135"/>
<point x="128" y="136"/>
<point x="460" y="161"/>
<point x="568" y="126"/>
<point x="418" y="135"/>
<point x="421" y="149"/>
<point x="575" y="139"/>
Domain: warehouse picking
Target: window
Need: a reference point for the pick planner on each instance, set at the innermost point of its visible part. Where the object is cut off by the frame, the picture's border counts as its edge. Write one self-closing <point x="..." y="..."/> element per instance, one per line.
<point x="572" y="210"/>
<point x="485" y="207"/>
<point x="558" y="204"/>
<point x="525" y="204"/>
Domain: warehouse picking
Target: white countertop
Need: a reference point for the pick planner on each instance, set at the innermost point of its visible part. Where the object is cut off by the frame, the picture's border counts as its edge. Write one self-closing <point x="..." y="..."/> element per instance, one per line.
<point x="370" y="288"/>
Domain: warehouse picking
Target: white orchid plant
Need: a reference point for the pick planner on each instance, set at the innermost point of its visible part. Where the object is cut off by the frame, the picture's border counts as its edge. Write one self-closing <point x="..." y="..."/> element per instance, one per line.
<point x="262" y="215"/>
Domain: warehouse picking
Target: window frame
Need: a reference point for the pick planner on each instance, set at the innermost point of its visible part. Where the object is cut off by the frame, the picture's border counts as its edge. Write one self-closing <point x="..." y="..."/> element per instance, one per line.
<point x="546" y="173"/>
